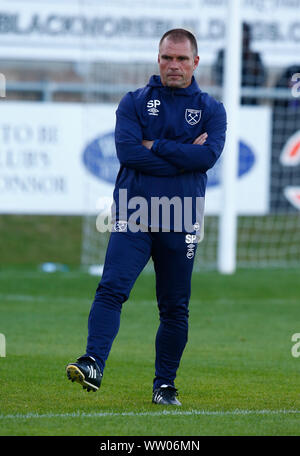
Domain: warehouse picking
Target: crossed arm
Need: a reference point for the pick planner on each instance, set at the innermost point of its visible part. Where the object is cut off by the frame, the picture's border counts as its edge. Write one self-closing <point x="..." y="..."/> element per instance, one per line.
<point x="166" y="157"/>
<point x="200" y="140"/>
<point x="130" y="150"/>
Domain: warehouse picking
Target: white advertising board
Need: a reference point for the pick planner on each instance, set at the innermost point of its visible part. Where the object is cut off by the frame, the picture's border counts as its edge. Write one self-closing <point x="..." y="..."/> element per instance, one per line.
<point x="253" y="182"/>
<point x="58" y="158"/>
<point x="129" y="30"/>
<point x="41" y="157"/>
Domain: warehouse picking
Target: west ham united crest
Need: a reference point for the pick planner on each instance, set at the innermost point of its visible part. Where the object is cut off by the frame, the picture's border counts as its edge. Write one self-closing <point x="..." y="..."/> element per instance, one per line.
<point x="192" y="116"/>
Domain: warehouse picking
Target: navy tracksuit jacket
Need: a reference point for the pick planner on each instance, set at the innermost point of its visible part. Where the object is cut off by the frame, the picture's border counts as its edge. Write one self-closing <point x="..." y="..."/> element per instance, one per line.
<point x="172" y="118"/>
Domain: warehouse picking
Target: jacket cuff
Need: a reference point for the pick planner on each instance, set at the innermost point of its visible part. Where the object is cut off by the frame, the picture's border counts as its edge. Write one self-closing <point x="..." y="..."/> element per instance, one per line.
<point x="155" y="145"/>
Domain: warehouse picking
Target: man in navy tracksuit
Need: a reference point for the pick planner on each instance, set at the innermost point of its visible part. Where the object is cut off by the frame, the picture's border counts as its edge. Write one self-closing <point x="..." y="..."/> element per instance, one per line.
<point x="168" y="134"/>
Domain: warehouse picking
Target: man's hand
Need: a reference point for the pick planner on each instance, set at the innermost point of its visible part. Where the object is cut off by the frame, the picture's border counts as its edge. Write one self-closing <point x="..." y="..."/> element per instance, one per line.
<point x="200" y="140"/>
<point x="147" y="143"/>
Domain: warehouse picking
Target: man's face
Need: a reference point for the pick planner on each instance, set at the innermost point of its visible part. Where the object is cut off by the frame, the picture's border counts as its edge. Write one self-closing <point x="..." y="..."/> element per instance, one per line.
<point x="176" y="63"/>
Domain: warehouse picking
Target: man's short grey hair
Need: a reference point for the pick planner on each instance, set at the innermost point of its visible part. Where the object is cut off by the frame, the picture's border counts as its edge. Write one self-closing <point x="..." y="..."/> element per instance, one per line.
<point x="178" y="35"/>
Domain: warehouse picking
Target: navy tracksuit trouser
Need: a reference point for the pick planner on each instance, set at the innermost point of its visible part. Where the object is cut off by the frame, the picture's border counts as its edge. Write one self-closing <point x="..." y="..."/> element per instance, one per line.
<point x="127" y="254"/>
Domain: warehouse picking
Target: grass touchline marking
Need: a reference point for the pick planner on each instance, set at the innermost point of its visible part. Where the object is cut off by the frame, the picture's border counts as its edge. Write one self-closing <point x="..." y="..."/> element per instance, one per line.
<point x="137" y="414"/>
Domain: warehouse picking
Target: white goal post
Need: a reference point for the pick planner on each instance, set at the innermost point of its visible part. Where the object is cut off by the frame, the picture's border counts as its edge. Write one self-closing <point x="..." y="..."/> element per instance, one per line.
<point x="229" y="160"/>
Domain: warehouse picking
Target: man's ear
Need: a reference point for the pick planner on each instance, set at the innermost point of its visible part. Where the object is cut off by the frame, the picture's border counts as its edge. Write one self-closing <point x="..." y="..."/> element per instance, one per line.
<point x="196" y="61"/>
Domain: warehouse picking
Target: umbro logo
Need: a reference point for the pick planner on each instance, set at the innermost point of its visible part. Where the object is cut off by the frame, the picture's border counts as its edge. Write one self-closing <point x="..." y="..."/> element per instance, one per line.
<point x="152" y="107"/>
<point x="190" y="239"/>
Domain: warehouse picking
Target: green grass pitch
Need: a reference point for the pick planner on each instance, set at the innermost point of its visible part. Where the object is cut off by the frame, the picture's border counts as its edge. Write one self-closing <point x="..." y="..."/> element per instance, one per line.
<point x="237" y="376"/>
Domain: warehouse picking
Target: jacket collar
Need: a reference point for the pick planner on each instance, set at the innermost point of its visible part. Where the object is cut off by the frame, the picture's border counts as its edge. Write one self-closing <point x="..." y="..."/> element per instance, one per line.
<point x="193" y="88"/>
